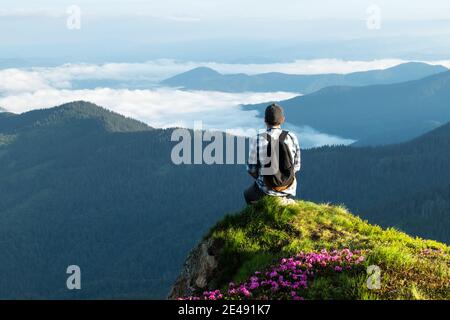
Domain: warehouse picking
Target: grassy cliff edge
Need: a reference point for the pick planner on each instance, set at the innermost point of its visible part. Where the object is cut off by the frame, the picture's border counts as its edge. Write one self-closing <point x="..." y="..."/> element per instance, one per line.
<point x="264" y="234"/>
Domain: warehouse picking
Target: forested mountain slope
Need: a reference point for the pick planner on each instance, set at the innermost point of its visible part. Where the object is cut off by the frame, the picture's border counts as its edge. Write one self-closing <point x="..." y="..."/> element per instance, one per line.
<point x="404" y="185"/>
<point x="81" y="185"/>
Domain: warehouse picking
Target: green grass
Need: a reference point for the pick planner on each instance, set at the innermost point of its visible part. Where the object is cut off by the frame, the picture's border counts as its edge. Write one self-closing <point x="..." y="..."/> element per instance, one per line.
<point x="411" y="268"/>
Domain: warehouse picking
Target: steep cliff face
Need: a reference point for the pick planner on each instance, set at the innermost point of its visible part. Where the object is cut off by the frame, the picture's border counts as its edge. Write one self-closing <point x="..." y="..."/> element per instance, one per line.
<point x="197" y="271"/>
<point x="274" y="250"/>
<point x="200" y="268"/>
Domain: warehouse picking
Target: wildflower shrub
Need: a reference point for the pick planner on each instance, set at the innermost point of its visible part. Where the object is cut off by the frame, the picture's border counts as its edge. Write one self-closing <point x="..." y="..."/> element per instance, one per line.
<point x="290" y="278"/>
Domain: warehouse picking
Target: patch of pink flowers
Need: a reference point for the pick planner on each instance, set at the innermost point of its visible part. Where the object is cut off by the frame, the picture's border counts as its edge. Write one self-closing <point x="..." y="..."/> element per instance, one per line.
<point x="289" y="278"/>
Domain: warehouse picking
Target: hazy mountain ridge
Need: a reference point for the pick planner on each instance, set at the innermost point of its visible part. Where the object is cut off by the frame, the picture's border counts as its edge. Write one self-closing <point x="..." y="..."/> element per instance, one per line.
<point x="379" y="183"/>
<point x="373" y="115"/>
<point x="77" y="189"/>
<point x="203" y="78"/>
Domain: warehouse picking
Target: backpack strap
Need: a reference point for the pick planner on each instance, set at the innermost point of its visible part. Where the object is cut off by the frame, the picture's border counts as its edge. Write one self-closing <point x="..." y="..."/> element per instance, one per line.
<point x="257" y="151"/>
<point x="283" y="135"/>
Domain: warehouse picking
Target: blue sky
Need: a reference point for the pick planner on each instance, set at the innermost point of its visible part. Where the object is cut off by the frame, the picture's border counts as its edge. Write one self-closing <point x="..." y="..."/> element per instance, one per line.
<point x="232" y="9"/>
<point x="227" y="31"/>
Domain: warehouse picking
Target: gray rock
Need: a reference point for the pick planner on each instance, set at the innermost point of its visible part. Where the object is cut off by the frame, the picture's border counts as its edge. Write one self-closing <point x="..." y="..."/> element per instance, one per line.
<point x="197" y="270"/>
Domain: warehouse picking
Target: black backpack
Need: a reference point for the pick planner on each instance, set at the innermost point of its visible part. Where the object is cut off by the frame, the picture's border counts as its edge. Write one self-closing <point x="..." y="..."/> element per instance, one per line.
<point x="285" y="175"/>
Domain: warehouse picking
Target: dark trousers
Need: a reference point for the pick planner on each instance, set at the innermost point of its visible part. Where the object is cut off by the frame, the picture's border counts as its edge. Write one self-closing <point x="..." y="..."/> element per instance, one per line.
<point x="253" y="194"/>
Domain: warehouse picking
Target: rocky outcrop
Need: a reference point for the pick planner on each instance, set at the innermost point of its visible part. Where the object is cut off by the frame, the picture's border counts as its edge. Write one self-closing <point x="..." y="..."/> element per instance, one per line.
<point x="272" y="252"/>
<point x="200" y="266"/>
<point x="197" y="270"/>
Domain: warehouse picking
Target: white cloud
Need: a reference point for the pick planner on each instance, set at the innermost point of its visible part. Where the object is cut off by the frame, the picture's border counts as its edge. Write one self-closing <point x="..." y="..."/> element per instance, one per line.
<point x="31" y="12"/>
<point x="16" y="80"/>
<point x="164" y="108"/>
<point x="310" y="137"/>
<point x="152" y="72"/>
<point x="62" y="77"/>
<point x="316" y="66"/>
<point x="26" y="89"/>
<point x="160" y="107"/>
<point x="445" y="63"/>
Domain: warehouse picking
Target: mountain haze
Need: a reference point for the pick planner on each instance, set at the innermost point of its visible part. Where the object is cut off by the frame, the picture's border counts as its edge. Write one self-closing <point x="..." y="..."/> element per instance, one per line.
<point x="405" y="185"/>
<point x="203" y="78"/>
<point x="372" y="115"/>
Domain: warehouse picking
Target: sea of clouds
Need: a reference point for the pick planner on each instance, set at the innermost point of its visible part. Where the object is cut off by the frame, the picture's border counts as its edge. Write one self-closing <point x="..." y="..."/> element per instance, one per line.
<point x="119" y="87"/>
<point x="62" y="77"/>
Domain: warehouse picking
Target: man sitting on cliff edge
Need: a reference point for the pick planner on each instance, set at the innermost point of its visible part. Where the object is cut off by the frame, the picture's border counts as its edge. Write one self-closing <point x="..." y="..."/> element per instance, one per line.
<point x="274" y="159"/>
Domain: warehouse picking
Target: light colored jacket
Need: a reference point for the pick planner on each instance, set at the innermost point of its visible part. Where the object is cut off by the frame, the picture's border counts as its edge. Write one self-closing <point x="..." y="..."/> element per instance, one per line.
<point x="253" y="168"/>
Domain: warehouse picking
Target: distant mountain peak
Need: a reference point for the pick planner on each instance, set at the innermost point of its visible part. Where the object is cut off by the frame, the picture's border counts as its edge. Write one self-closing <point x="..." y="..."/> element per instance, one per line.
<point x="79" y="104"/>
<point x="69" y="113"/>
<point x="417" y="68"/>
<point x="83" y="108"/>
<point x="204" y="71"/>
<point x="199" y="73"/>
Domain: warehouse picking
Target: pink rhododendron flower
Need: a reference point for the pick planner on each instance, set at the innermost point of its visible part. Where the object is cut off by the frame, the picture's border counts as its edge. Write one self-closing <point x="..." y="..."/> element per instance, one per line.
<point x="289" y="279"/>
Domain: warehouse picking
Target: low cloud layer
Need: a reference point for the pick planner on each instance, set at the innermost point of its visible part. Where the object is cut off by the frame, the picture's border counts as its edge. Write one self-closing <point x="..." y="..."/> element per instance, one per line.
<point x="160" y="108"/>
<point x="132" y="75"/>
<point x="163" y="108"/>
<point x="113" y="86"/>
